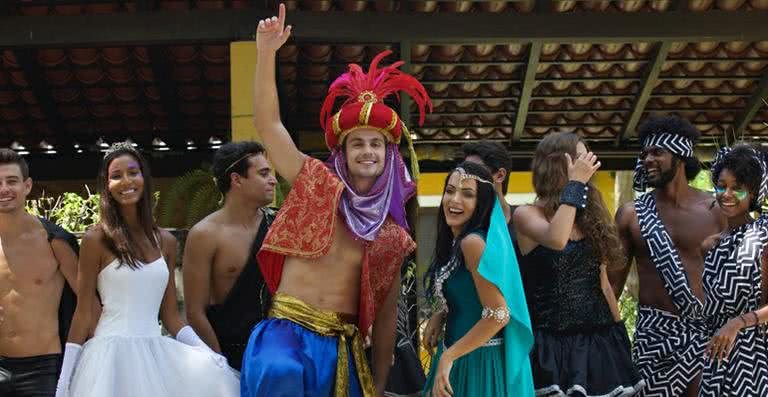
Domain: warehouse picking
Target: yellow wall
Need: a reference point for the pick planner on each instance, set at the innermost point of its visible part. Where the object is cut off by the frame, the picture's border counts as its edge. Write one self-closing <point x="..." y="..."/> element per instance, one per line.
<point x="431" y="184"/>
<point x="242" y="56"/>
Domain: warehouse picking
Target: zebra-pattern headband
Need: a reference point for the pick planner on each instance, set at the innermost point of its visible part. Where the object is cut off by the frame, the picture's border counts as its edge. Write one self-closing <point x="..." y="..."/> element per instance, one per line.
<point x="676" y="144"/>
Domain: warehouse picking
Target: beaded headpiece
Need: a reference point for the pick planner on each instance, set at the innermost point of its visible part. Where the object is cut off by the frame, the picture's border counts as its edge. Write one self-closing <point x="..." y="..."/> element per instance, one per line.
<point x="464" y="175"/>
<point x="120" y="146"/>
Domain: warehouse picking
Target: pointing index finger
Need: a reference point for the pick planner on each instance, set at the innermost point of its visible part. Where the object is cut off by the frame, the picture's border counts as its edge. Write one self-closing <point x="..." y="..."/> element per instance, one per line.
<point x="281" y="16"/>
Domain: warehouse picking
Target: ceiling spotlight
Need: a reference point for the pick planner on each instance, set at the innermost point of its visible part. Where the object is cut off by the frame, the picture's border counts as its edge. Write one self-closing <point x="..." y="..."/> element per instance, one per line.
<point x="17" y="146"/>
<point x="414" y="136"/>
<point x="47" y="147"/>
<point x="101" y="144"/>
<point x="191" y="144"/>
<point x="214" y="141"/>
<point x="159" y="145"/>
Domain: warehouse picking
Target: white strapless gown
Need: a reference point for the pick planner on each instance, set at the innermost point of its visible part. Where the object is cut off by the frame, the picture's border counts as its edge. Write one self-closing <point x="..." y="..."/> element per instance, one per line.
<point x="128" y="357"/>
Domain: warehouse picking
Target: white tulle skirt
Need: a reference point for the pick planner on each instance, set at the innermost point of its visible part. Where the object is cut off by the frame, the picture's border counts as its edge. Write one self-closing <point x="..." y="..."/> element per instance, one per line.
<point x="149" y="366"/>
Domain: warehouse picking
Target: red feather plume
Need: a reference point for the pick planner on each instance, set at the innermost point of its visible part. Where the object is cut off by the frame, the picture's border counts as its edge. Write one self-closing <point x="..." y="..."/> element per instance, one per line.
<point x="381" y="82"/>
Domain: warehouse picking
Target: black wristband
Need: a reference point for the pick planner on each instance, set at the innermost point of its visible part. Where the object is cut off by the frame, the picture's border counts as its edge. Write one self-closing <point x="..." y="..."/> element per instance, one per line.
<point x="575" y="194"/>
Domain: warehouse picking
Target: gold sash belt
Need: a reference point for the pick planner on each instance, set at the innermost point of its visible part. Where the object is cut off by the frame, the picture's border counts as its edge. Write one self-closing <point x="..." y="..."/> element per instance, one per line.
<point x="328" y="323"/>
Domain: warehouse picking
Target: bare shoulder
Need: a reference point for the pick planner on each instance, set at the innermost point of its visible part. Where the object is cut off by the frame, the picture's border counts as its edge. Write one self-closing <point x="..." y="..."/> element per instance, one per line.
<point x="472" y="241"/>
<point x="94" y="236"/>
<point x="704" y="203"/>
<point x="207" y="226"/>
<point x="93" y="245"/>
<point x="524" y="212"/>
<point x="472" y="246"/>
<point x="33" y="228"/>
<point x="626" y="213"/>
<point x="167" y="238"/>
<point x="703" y="200"/>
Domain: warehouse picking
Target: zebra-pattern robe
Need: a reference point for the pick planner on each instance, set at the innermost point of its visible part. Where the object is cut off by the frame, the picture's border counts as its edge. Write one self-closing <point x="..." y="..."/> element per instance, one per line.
<point x="668" y="348"/>
<point x="732" y="286"/>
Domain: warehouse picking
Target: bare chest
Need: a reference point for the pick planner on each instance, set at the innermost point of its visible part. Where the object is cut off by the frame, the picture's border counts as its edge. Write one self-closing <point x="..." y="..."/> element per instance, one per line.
<point x="688" y="228"/>
<point x="232" y="252"/>
<point x="343" y="261"/>
<point x="26" y="263"/>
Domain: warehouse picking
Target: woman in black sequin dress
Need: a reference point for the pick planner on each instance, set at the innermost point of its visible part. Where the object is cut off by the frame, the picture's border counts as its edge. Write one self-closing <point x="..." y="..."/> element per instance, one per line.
<point x="566" y="239"/>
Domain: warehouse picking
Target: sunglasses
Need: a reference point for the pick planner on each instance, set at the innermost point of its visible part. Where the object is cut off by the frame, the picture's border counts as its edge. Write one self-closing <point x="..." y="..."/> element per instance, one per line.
<point x="740" y="194"/>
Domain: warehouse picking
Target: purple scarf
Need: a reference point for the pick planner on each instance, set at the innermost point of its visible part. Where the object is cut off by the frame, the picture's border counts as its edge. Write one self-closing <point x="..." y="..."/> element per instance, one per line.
<point x="365" y="214"/>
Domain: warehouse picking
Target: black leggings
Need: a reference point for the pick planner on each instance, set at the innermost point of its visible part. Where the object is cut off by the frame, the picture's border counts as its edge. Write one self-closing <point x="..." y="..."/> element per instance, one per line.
<point x="31" y="376"/>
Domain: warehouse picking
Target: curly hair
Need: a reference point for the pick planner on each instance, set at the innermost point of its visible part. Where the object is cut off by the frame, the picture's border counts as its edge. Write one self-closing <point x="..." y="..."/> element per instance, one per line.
<point x="550" y="175"/>
<point x="745" y="168"/>
<point x="676" y="126"/>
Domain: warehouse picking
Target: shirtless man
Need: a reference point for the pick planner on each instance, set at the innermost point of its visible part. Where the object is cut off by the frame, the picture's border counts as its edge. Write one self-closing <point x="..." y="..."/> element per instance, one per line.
<point x="663" y="230"/>
<point x="224" y="290"/>
<point x="36" y="264"/>
<point x="334" y="252"/>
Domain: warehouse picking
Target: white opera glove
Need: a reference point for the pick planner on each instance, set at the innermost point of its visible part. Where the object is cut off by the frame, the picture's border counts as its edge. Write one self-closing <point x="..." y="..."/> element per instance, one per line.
<point x="68" y="363"/>
<point x="188" y="336"/>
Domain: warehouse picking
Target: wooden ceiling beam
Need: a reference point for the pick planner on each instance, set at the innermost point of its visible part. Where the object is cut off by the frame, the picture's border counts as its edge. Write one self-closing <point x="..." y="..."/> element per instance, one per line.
<point x="529" y="81"/>
<point x="650" y="80"/>
<point x="203" y="26"/>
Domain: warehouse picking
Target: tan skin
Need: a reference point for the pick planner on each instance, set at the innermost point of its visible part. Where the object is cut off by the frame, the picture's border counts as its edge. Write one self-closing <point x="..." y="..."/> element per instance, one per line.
<point x="535" y="228"/>
<point x="331" y="282"/>
<point x="32" y="273"/>
<point x="688" y="216"/>
<point x="458" y="204"/>
<point x="737" y="212"/>
<point x="126" y="184"/>
<point x="218" y="246"/>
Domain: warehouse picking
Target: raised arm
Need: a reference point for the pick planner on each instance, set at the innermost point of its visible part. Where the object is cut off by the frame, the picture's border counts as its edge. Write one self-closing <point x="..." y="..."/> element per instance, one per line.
<point x="554" y="233"/>
<point x="618" y="272"/>
<point x="199" y="252"/>
<point x="271" y="34"/>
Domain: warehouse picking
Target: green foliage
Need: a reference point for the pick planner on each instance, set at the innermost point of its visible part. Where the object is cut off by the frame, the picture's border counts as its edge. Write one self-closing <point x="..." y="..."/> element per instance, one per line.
<point x="205" y="200"/>
<point x="628" y="311"/>
<point x="703" y="181"/>
<point x="70" y="210"/>
<point x="283" y="188"/>
<point x="194" y="195"/>
<point x="189" y="199"/>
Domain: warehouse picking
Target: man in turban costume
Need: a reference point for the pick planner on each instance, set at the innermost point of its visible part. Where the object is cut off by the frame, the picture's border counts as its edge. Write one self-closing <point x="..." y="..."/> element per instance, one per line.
<point x="333" y="254"/>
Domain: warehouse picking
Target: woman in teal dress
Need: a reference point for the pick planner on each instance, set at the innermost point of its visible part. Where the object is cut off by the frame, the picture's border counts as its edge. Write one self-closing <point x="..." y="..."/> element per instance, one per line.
<point x="474" y="281"/>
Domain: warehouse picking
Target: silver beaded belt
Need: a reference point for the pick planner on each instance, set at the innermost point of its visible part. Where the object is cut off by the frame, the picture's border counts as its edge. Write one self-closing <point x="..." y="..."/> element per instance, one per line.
<point x="491" y="343"/>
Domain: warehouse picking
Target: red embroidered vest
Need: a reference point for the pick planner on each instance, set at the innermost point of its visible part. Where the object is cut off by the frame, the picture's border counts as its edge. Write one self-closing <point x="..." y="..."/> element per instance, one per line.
<point x="304" y="228"/>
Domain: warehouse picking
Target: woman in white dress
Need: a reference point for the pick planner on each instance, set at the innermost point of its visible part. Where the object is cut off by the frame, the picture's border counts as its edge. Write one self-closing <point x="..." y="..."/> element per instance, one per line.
<point x="130" y="262"/>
